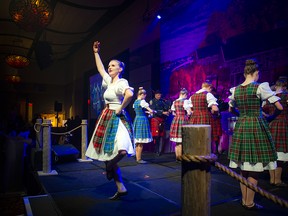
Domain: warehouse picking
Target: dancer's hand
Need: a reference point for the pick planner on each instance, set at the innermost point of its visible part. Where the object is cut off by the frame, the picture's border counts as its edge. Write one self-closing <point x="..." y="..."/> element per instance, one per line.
<point x="96" y="46"/>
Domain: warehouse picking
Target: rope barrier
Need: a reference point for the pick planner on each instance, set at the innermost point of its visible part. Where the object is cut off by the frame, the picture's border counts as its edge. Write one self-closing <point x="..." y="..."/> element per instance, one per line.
<point x="67" y="132"/>
<point x="212" y="159"/>
<point x="54" y="133"/>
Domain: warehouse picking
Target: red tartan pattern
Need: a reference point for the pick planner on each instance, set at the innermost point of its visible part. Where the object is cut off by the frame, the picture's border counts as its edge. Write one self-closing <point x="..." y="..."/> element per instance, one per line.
<point x="279" y="126"/>
<point x="102" y="123"/>
<point x="178" y="120"/>
<point x="201" y="113"/>
<point x="157" y="126"/>
<point x="217" y="128"/>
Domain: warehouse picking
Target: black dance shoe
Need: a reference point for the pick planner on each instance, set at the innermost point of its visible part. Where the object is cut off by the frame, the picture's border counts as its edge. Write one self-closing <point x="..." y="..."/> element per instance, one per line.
<point x="280" y="185"/>
<point x="118" y="194"/>
<point x="253" y="207"/>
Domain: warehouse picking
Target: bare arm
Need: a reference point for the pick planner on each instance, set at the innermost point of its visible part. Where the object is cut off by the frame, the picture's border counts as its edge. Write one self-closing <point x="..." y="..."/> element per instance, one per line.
<point x="128" y="95"/>
<point x="98" y="61"/>
<point x="149" y="109"/>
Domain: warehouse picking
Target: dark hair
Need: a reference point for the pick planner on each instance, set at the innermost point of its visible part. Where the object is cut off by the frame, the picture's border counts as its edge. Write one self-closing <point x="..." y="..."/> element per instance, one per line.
<point x="141" y="91"/>
<point x="183" y="91"/>
<point x="251" y="66"/>
<point x="157" y="92"/>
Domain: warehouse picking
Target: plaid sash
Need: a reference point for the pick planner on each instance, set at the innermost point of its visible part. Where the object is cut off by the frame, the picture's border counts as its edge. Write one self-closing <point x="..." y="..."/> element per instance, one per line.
<point x="107" y="128"/>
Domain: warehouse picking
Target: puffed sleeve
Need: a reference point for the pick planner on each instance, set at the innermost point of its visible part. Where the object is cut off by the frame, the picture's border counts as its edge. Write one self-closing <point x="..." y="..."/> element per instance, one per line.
<point x="264" y="92"/>
<point x="232" y="102"/>
<point x="187" y="105"/>
<point x="144" y="104"/>
<point x="173" y="106"/>
<point x="122" y="85"/>
<point x="211" y="100"/>
<point x="106" y="80"/>
<point x="190" y="102"/>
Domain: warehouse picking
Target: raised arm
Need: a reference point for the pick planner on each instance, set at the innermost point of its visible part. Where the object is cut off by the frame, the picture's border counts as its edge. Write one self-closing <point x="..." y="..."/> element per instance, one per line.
<point x="98" y="61"/>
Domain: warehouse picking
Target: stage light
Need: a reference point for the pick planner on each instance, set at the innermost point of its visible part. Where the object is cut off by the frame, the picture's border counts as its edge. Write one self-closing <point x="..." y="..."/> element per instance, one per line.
<point x="159" y="16"/>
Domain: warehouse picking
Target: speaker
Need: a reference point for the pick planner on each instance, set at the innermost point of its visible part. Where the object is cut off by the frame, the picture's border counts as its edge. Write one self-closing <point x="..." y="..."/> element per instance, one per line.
<point x="65" y="152"/>
<point x="57" y="107"/>
<point x="43" y="53"/>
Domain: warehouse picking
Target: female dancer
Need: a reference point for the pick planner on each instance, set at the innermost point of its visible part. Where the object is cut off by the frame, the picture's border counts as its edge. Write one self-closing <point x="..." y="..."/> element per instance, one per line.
<point x="179" y="108"/>
<point x="279" y="131"/>
<point x="252" y="148"/>
<point x="112" y="138"/>
<point x="142" y="131"/>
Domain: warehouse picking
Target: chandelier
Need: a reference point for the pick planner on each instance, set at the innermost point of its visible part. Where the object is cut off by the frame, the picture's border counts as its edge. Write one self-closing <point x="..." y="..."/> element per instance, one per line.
<point x="17" y="61"/>
<point x="31" y="15"/>
<point x="13" y="78"/>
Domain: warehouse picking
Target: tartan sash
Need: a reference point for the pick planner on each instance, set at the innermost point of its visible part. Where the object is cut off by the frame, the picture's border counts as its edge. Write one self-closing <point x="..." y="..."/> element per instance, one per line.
<point x="104" y="137"/>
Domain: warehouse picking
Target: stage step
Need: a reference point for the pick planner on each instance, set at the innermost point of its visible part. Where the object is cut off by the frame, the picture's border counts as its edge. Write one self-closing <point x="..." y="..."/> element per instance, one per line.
<point x="40" y="205"/>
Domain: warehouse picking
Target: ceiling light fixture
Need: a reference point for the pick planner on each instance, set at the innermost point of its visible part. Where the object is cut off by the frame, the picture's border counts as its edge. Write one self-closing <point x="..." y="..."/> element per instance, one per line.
<point x="17" y="61"/>
<point x="31" y="15"/>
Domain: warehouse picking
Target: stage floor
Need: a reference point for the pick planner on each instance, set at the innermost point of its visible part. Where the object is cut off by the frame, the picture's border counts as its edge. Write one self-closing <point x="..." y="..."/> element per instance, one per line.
<point x="81" y="189"/>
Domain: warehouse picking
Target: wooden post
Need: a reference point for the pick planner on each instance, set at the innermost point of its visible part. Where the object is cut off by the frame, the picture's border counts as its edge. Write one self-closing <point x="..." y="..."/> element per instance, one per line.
<point x="196" y="177"/>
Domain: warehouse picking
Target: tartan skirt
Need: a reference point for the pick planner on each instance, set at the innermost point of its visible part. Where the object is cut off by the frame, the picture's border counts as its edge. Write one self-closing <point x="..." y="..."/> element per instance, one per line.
<point x="252" y="141"/>
<point x="217" y="128"/>
<point x="112" y="134"/>
<point x="279" y="131"/>
<point x="205" y="117"/>
<point x="176" y="128"/>
<point x="142" y="131"/>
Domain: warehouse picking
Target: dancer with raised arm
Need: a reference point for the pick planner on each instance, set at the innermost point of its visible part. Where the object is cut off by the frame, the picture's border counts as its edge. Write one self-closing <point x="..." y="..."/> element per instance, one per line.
<point x="112" y="138"/>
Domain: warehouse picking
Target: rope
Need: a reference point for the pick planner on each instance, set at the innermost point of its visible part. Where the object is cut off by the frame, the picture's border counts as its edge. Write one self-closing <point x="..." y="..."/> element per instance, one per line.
<point x="54" y="133"/>
<point x="212" y="159"/>
<point x="67" y="132"/>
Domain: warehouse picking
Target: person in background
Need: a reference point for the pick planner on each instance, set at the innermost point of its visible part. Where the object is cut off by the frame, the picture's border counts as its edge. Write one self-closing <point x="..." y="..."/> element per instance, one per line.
<point x="161" y="108"/>
<point x="216" y="124"/>
<point x="112" y="138"/>
<point x="141" y="125"/>
<point x="204" y="105"/>
<point x="179" y="108"/>
<point x="252" y="147"/>
<point x="279" y="131"/>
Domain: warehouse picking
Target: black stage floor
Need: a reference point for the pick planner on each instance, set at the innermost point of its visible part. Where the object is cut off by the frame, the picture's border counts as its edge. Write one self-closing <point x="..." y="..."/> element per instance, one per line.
<point x="81" y="189"/>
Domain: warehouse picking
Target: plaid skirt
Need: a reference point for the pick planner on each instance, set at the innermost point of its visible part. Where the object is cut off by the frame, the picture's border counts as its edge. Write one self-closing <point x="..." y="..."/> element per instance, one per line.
<point x="216" y="128"/>
<point x="252" y="141"/>
<point x="205" y="117"/>
<point x="279" y="131"/>
<point x="142" y="131"/>
<point x="176" y="128"/>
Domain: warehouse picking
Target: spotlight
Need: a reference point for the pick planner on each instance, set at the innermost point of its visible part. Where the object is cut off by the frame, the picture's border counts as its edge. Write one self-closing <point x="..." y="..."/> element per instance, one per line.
<point x="159" y="16"/>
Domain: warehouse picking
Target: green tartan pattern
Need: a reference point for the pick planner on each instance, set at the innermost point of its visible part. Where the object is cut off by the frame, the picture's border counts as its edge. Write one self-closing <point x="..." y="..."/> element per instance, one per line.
<point x="252" y="141"/>
<point x="110" y="133"/>
<point x="141" y="123"/>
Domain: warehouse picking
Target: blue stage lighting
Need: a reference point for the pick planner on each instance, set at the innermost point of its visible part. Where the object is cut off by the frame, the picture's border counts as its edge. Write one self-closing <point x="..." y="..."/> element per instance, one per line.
<point x="158" y="16"/>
